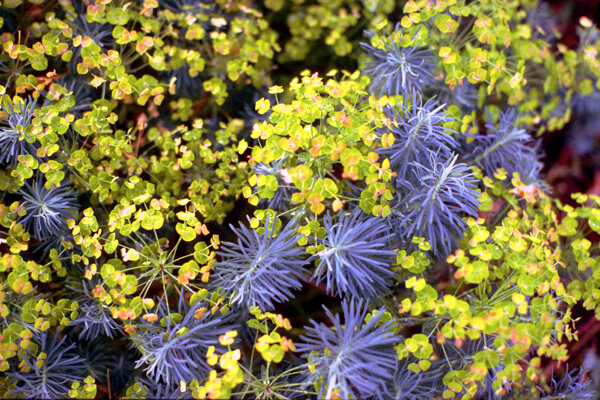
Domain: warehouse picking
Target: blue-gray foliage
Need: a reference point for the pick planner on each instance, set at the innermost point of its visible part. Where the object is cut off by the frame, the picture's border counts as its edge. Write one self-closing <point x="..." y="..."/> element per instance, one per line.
<point x="356" y="261"/>
<point x="395" y="69"/>
<point x="48" y="378"/>
<point x="419" y="132"/>
<point x="505" y="145"/>
<point x="352" y="357"/>
<point x="174" y="346"/>
<point x="261" y="269"/>
<point x="47" y="209"/>
<point x="432" y="203"/>
<point x="15" y="139"/>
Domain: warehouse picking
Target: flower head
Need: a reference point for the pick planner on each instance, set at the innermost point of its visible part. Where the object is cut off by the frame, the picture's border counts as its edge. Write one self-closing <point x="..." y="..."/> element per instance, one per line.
<point x="281" y="196"/>
<point x="12" y="304"/>
<point x="99" y="33"/>
<point x="82" y="95"/>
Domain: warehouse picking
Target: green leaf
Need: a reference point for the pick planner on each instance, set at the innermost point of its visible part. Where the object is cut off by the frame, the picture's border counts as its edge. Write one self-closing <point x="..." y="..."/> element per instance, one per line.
<point x="489" y="358"/>
<point x="117" y="16"/>
<point x="476" y="272"/>
<point x="187" y="232"/>
<point x="445" y="23"/>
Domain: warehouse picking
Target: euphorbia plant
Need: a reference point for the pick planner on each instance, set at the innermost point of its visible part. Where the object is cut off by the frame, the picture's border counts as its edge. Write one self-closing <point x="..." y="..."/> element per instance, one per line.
<point x="178" y="191"/>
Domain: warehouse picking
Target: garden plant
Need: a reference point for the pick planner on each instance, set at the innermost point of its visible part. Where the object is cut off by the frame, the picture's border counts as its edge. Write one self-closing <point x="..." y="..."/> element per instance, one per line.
<point x="305" y="199"/>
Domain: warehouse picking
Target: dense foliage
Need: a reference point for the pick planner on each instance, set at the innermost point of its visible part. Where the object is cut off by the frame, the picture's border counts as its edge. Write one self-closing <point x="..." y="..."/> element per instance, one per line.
<point x="308" y="199"/>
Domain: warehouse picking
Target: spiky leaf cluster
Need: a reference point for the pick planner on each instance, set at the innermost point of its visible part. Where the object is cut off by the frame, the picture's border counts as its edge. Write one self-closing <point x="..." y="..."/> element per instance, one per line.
<point x="49" y="373"/>
<point x="47" y="209"/>
<point x="572" y="385"/>
<point x="285" y="382"/>
<point x="356" y="259"/>
<point x="105" y="364"/>
<point x="15" y="138"/>
<point x="419" y="131"/>
<point x="405" y="384"/>
<point x="94" y="318"/>
<point x="261" y="269"/>
<point x="464" y="96"/>
<point x="350" y="359"/>
<point x="434" y="193"/>
<point x="434" y="201"/>
<point x="174" y="345"/>
<point x="397" y="69"/>
<point x="505" y="145"/>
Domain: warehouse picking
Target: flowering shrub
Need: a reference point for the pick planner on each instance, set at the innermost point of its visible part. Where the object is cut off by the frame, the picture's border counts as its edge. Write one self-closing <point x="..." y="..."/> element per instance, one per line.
<point x="181" y="192"/>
